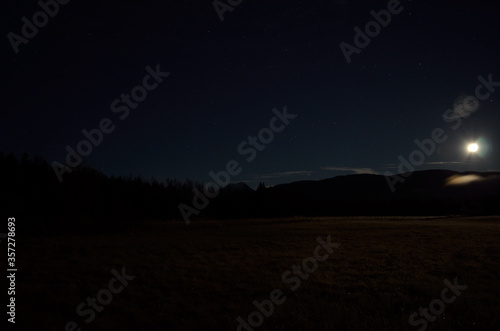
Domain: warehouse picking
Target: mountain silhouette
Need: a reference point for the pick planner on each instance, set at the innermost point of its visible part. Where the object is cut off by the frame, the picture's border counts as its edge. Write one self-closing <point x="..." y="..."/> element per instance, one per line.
<point x="422" y="192"/>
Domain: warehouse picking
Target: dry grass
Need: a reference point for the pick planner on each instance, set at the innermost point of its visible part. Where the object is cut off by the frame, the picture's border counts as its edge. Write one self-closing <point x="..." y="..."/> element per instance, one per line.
<point x="204" y="275"/>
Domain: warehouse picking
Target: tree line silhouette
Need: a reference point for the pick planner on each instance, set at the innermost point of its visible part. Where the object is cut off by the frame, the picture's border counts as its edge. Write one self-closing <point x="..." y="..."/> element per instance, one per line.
<point x="88" y="200"/>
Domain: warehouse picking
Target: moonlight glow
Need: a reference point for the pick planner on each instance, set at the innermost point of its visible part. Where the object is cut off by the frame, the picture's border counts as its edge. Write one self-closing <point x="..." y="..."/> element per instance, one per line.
<point x="472" y="148"/>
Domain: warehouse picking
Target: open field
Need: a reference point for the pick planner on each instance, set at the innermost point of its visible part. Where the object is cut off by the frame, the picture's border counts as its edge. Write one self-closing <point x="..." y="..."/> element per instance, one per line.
<point x="203" y="276"/>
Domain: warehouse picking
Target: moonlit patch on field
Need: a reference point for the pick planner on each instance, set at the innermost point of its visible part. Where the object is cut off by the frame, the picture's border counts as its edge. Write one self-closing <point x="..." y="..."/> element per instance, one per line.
<point x="463" y="180"/>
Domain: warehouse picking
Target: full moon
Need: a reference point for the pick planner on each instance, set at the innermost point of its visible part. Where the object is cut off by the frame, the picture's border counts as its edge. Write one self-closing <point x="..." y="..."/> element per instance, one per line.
<point x="472" y="148"/>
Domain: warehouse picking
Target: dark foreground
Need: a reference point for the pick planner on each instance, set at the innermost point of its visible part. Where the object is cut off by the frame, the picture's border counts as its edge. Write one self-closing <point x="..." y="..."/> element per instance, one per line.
<point x="170" y="276"/>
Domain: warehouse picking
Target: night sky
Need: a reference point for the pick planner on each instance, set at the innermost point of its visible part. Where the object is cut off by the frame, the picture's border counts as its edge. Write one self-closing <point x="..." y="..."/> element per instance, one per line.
<point x="226" y="77"/>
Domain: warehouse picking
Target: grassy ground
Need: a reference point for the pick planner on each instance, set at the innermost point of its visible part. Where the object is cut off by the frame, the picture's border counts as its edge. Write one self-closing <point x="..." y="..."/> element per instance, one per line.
<point x="203" y="276"/>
